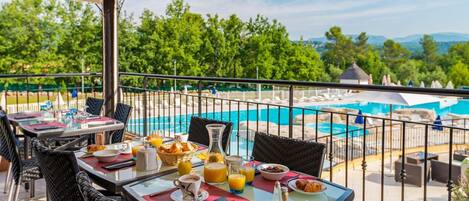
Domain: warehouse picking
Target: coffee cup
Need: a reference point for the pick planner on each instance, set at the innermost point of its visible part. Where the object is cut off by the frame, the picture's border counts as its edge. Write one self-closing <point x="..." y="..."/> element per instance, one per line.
<point x="189" y="185"/>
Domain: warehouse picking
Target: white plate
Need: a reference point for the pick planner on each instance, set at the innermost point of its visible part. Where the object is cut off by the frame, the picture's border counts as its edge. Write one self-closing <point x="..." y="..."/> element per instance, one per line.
<point x="177" y="195"/>
<point x="292" y="185"/>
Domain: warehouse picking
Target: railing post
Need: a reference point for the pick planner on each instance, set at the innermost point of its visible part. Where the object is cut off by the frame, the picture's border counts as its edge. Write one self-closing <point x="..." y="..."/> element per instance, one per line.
<point x="199" y="95"/>
<point x="290" y="114"/>
<point x="145" y="104"/>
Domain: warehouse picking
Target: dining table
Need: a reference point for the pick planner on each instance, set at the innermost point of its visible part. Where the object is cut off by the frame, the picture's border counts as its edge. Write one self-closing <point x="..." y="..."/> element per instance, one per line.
<point x="114" y="180"/>
<point x="55" y="124"/>
<point x="160" y="187"/>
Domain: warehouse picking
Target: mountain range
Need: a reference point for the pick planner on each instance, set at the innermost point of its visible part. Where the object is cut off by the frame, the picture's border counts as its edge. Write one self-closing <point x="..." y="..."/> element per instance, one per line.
<point x="412" y="42"/>
<point x="379" y="40"/>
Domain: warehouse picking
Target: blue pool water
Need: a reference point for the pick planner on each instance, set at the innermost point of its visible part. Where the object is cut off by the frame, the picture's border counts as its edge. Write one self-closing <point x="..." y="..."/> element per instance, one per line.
<point x="461" y="107"/>
<point x="279" y="116"/>
<point x="179" y="123"/>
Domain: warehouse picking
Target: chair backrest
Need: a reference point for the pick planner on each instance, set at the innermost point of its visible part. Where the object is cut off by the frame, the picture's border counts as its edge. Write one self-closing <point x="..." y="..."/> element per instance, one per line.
<point x="94" y="105"/>
<point x="59" y="169"/>
<point x="122" y="114"/>
<point x="10" y="143"/>
<point x="198" y="132"/>
<point x="298" y="155"/>
<point x="87" y="190"/>
<point x="4" y="151"/>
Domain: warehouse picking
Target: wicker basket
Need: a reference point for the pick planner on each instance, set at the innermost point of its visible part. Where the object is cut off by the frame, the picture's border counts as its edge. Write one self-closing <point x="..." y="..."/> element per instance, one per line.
<point x="172" y="159"/>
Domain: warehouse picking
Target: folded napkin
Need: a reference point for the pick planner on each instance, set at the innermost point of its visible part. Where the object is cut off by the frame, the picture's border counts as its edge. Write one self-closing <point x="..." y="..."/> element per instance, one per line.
<point x="20" y="116"/>
<point x="94" y="119"/>
<point x="46" y="126"/>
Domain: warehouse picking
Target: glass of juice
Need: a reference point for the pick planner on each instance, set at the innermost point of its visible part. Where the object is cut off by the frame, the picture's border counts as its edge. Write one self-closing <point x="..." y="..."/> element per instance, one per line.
<point x="248" y="169"/>
<point x="215" y="173"/>
<point x="237" y="182"/>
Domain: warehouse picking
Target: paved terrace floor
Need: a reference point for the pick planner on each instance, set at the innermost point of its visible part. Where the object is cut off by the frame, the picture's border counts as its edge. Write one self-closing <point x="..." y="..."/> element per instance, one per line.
<point x="436" y="191"/>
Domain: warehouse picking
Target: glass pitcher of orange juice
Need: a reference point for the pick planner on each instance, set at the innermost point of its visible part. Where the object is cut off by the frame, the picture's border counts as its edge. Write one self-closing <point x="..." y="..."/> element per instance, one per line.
<point x="215" y="171"/>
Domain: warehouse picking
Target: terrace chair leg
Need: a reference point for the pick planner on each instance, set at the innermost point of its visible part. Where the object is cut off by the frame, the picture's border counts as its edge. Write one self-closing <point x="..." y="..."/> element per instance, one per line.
<point x="11" y="192"/>
<point x="31" y="189"/>
<point x="17" y="191"/>
<point x="7" y="180"/>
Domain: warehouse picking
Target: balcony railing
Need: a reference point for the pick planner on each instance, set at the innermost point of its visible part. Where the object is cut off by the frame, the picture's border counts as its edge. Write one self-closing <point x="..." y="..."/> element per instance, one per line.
<point x="165" y="104"/>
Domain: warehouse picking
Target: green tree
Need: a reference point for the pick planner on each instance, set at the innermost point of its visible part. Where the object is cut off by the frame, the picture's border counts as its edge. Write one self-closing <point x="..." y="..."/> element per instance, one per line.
<point x="394" y="54"/>
<point x="459" y="74"/>
<point x="340" y="49"/>
<point x="430" y="52"/>
<point x="409" y="71"/>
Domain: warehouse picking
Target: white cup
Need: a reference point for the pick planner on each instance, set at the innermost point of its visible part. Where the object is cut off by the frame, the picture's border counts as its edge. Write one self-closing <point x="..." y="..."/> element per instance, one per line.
<point x="189" y="185"/>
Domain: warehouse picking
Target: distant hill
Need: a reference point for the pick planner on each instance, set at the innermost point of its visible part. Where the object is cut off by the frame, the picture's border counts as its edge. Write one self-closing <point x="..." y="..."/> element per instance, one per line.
<point x="411" y="42"/>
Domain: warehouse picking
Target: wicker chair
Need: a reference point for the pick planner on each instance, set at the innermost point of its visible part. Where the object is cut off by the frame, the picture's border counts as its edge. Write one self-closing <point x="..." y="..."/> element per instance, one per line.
<point x="4" y="153"/>
<point x="61" y="173"/>
<point x="59" y="169"/>
<point x="21" y="171"/>
<point x="94" y="105"/>
<point x="87" y="190"/>
<point x="298" y="155"/>
<point x="198" y="133"/>
<point x="122" y="114"/>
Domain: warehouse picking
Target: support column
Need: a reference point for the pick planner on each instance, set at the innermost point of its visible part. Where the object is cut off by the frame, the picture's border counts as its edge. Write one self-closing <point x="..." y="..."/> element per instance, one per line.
<point x="110" y="57"/>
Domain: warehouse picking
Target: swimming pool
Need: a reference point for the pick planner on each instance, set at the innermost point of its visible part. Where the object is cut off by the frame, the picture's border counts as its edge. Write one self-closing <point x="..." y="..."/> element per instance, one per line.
<point x="459" y="107"/>
<point x="275" y="115"/>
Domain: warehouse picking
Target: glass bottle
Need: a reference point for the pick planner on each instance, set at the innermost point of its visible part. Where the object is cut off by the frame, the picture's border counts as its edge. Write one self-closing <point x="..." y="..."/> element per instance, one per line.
<point x="215" y="171"/>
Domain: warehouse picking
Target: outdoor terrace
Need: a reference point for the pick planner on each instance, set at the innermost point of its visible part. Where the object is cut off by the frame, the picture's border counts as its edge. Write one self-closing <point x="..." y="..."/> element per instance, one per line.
<point x="362" y="154"/>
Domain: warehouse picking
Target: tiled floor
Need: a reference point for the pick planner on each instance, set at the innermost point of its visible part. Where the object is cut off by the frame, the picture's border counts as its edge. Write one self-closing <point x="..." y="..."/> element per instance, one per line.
<point x="40" y="190"/>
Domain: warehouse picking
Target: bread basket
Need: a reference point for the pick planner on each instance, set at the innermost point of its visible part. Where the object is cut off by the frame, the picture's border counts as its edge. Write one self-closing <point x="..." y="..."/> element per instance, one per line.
<point x="172" y="159"/>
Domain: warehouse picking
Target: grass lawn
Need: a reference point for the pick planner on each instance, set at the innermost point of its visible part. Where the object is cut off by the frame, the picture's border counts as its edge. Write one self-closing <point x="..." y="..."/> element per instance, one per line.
<point x="33" y="98"/>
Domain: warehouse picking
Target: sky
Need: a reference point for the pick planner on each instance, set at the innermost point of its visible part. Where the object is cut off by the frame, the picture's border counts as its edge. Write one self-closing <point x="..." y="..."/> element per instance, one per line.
<point x="312" y="18"/>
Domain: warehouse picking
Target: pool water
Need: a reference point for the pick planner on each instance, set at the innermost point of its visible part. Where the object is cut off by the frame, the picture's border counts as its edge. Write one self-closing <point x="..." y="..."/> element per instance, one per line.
<point x="460" y="107"/>
<point x="179" y="123"/>
<point x="275" y="115"/>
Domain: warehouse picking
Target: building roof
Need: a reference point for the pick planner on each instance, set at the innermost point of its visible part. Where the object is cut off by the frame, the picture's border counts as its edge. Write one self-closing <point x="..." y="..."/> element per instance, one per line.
<point x="354" y="72"/>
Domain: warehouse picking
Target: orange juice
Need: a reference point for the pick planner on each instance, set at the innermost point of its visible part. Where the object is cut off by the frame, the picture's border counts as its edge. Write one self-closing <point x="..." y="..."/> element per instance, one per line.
<point x="249" y="172"/>
<point x="156" y="141"/>
<point x="215" y="173"/>
<point x="236" y="183"/>
<point x="136" y="148"/>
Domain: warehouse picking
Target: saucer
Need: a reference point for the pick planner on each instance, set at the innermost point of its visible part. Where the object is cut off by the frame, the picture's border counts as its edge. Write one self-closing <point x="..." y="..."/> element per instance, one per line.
<point x="177" y="195"/>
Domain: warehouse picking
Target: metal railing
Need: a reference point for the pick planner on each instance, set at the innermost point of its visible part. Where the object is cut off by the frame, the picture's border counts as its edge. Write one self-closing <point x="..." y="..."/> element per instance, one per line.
<point x="158" y="108"/>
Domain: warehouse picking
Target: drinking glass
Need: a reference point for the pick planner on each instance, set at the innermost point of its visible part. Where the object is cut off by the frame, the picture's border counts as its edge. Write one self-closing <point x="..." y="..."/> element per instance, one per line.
<point x="248" y="169"/>
<point x="236" y="181"/>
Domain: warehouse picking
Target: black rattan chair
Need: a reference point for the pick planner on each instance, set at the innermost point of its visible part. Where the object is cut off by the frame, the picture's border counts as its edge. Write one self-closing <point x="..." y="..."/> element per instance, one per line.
<point x="298" y="155"/>
<point x="61" y="172"/>
<point x="198" y="133"/>
<point x="59" y="169"/>
<point x="4" y="153"/>
<point x="94" y="105"/>
<point x="87" y="190"/>
<point x="22" y="171"/>
<point x="122" y="114"/>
